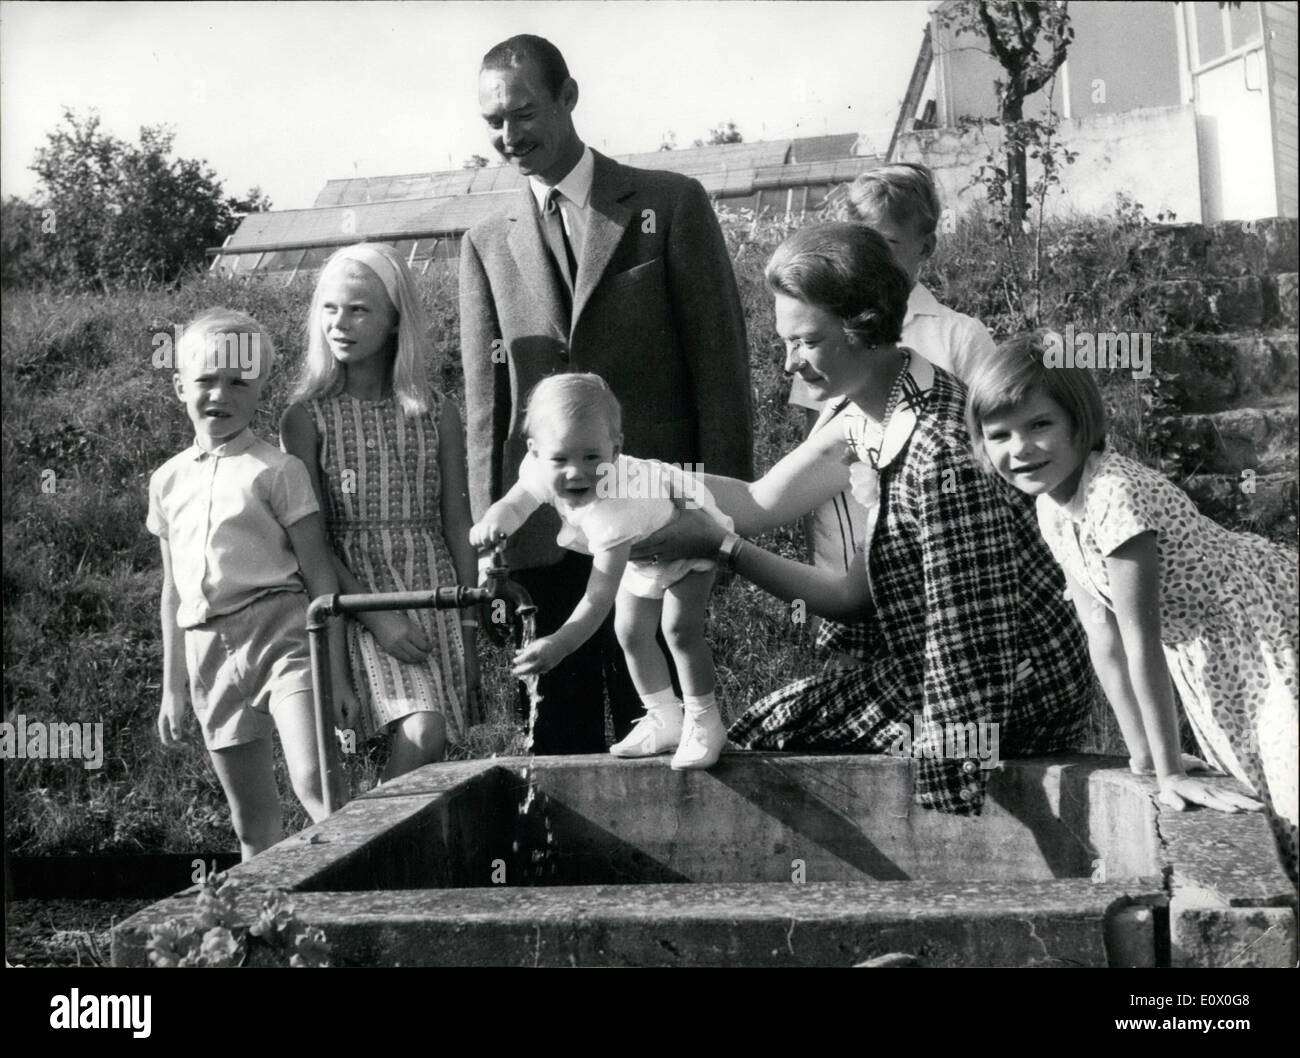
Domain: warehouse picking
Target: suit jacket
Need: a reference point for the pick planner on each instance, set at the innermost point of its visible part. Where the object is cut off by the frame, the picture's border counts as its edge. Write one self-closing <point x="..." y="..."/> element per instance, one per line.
<point x="655" y="313"/>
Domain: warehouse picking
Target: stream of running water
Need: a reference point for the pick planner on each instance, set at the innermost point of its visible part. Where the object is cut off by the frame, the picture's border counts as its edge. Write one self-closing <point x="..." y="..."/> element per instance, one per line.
<point x="537" y="856"/>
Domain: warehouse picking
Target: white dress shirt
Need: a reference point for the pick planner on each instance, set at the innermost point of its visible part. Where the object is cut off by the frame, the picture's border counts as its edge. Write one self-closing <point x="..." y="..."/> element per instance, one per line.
<point x="575" y="203"/>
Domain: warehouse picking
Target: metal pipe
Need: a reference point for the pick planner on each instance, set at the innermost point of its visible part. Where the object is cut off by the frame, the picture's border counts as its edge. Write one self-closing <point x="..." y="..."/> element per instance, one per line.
<point x="319" y="613"/>
<point x="318" y="622"/>
<point x="458" y="598"/>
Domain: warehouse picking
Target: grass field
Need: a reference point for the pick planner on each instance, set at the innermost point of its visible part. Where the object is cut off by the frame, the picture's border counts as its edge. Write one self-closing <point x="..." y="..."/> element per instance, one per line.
<point x="87" y="418"/>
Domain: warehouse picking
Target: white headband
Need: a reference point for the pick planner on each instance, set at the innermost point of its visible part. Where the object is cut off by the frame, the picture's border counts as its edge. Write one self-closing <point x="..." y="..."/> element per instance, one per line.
<point x="366" y="254"/>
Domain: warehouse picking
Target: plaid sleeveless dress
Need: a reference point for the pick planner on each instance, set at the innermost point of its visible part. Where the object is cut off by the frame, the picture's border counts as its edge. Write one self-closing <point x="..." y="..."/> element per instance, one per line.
<point x="380" y="475"/>
<point x="968" y="622"/>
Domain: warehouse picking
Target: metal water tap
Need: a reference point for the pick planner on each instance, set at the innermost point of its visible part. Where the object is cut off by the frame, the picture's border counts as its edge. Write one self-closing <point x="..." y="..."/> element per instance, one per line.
<point x="507" y="605"/>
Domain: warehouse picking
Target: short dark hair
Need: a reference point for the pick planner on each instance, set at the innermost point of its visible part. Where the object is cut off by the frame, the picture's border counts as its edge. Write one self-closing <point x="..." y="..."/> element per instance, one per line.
<point x="1016" y="372"/>
<point x="525" y="47"/>
<point x="848" y="270"/>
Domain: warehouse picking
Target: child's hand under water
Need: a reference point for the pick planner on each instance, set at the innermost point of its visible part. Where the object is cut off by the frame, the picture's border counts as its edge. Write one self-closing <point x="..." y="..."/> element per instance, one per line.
<point x="541" y="655"/>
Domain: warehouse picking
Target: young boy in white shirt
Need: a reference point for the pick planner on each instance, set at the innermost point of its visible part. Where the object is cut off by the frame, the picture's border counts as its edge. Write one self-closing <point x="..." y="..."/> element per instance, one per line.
<point x="243" y="550"/>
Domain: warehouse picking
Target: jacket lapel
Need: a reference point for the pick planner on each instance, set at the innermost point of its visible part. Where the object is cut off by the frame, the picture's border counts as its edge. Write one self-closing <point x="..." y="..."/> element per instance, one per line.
<point x="533" y="259"/>
<point x="609" y="218"/>
<point x="916" y="392"/>
<point x="864" y="477"/>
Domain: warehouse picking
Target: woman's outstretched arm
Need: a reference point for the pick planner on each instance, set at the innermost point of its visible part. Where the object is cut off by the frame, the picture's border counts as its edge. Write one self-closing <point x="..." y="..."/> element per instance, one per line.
<point x="801" y="482"/>
<point x="809" y="476"/>
<point x="839" y="596"/>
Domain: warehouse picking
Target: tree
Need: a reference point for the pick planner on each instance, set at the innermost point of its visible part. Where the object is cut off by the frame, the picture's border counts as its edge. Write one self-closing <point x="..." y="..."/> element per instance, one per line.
<point x="474" y="161"/>
<point x="1029" y="39"/>
<point x="725" y="132"/>
<point x="114" y="212"/>
<point x="20" y="236"/>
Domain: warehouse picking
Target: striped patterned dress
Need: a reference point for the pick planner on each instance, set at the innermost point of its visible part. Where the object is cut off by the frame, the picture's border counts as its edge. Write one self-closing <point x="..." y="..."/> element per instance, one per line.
<point x="380" y="475"/>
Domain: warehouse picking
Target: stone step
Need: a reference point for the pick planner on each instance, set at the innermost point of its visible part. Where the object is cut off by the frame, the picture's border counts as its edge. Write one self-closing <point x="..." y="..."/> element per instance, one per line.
<point x="1068" y="922"/>
<point x="1266" y="504"/>
<point x="1205" y="373"/>
<point x="1286" y="312"/>
<point x="1229" y="248"/>
<point x="1261" y="438"/>
<point x="1222" y="303"/>
<point x="1253" y="247"/>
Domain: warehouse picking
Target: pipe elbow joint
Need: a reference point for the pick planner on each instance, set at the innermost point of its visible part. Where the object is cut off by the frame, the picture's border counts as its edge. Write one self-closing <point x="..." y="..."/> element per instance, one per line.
<point x="320" y="610"/>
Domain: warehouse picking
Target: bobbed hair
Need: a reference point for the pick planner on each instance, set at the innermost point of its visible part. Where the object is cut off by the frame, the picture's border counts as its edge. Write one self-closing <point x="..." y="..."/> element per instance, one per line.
<point x="524" y="47"/>
<point x="1014" y="374"/>
<point x="322" y="376"/>
<point x="848" y="270"/>
<point x="573" y="396"/>
<point x="903" y="194"/>
<point x="202" y="334"/>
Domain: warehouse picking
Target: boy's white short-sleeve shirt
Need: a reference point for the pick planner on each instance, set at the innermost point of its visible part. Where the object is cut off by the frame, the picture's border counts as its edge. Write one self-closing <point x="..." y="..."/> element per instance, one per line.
<point x="224" y="514"/>
<point x="948" y="339"/>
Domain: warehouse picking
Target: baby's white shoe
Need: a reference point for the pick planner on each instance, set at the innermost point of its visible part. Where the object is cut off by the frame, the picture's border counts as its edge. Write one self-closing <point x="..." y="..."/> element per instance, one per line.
<point x="657" y="732"/>
<point x="703" y="739"/>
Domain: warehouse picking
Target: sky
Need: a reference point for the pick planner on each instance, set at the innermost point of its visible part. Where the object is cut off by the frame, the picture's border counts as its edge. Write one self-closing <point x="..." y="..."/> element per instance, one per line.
<point x="288" y="95"/>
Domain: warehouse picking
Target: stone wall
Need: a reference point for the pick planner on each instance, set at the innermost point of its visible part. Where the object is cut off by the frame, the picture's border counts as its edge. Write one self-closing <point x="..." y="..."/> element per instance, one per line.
<point x="1148" y="154"/>
<point x="1228" y="364"/>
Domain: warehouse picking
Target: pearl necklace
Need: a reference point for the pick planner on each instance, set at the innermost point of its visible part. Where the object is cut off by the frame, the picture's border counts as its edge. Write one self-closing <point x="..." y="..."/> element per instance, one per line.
<point x="895" y="395"/>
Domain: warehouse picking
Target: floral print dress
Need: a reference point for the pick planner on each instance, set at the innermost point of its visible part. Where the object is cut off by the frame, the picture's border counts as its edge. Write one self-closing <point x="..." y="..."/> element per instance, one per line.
<point x="1229" y="613"/>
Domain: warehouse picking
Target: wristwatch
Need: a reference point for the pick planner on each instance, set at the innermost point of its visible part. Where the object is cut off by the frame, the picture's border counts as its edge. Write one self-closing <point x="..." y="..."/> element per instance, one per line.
<point x="729" y="549"/>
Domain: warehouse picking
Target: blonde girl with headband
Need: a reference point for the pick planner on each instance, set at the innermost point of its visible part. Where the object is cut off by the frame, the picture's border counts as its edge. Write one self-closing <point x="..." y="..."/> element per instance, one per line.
<point x="386" y="455"/>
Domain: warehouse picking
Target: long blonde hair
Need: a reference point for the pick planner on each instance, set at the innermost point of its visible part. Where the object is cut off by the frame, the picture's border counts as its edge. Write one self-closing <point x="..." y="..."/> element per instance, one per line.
<point x="323" y="376"/>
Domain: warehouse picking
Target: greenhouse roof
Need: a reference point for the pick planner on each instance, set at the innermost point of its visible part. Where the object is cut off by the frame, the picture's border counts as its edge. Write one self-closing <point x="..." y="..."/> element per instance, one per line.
<point x="427" y="212"/>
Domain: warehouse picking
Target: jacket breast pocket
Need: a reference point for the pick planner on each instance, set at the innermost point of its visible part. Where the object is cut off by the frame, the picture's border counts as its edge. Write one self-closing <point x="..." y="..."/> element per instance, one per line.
<point x="639" y="274"/>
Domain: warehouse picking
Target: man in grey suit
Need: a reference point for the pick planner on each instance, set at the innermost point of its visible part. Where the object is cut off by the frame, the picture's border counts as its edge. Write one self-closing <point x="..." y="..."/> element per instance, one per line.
<point x="594" y="266"/>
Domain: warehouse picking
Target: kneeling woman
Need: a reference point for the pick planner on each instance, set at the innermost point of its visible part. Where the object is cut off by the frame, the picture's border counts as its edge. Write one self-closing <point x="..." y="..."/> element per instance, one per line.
<point x="953" y="611"/>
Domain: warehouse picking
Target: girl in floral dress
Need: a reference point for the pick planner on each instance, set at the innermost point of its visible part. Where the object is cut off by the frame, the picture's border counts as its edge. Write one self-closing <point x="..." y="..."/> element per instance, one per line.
<point x="1168" y="597"/>
<point x="386" y="453"/>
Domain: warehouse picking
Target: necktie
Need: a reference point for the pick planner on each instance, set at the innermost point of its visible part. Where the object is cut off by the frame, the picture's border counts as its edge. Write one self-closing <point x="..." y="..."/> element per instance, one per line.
<point x="558" y="239"/>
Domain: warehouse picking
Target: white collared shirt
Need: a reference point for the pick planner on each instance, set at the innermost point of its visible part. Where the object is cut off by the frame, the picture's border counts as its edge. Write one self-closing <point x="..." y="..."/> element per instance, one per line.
<point x="948" y="339"/>
<point x="575" y="205"/>
<point x="223" y="513"/>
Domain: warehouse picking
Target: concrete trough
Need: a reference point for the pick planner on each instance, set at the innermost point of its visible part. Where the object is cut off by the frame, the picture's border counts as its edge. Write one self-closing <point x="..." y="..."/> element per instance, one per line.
<point x="770" y="859"/>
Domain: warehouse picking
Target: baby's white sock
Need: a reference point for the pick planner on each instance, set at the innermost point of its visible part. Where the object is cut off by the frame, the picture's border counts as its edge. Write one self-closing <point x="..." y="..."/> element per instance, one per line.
<point x="698" y="706"/>
<point x="661" y="700"/>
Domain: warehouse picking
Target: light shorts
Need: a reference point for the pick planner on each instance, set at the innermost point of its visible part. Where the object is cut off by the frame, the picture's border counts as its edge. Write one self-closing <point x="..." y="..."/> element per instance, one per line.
<point x="650" y="580"/>
<point x="243" y="665"/>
